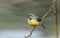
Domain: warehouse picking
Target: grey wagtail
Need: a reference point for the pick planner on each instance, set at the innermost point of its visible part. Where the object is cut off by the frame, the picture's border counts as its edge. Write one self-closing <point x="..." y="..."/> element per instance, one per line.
<point x="34" y="20"/>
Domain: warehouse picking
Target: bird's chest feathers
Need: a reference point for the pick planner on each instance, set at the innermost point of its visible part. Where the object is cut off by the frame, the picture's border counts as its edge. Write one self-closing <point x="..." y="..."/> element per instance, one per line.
<point x="33" y="22"/>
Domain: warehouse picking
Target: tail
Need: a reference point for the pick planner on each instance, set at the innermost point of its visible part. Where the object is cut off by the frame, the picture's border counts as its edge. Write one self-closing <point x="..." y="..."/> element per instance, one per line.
<point x="43" y="26"/>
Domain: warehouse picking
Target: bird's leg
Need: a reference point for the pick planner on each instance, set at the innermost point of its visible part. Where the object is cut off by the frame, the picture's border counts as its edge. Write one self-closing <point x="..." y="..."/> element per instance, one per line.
<point x="30" y="33"/>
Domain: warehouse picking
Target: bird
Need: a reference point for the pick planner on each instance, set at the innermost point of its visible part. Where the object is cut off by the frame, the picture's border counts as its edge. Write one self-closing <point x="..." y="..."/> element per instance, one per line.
<point x="34" y="20"/>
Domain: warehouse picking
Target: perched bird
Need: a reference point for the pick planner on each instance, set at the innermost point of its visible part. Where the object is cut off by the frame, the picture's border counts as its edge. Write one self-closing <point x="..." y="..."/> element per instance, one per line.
<point x="34" y="20"/>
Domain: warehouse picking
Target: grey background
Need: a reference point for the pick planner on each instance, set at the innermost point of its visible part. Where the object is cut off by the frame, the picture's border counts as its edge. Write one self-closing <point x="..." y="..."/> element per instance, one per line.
<point x="13" y="18"/>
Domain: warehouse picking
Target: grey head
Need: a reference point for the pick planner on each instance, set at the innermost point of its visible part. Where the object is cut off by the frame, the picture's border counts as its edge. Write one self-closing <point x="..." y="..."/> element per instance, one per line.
<point x="31" y="16"/>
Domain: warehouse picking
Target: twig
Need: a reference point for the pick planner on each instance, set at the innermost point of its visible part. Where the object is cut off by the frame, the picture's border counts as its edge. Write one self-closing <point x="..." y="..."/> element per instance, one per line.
<point x="30" y="33"/>
<point x="47" y="12"/>
<point x="55" y="18"/>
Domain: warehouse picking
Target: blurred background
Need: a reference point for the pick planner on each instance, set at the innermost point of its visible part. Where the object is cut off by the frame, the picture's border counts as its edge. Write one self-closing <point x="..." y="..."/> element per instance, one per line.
<point x="13" y="18"/>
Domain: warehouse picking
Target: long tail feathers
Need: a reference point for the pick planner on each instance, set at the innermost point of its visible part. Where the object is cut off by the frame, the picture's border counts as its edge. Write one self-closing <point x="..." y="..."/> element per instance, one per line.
<point x="43" y="26"/>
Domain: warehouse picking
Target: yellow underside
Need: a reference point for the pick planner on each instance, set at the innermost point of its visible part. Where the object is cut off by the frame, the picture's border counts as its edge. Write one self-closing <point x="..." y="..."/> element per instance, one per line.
<point x="33" y="22"/>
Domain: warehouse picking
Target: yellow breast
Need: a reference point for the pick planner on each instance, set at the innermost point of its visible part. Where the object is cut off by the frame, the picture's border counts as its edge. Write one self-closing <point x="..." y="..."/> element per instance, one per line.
<point x="33" y="22"/>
